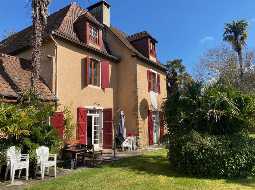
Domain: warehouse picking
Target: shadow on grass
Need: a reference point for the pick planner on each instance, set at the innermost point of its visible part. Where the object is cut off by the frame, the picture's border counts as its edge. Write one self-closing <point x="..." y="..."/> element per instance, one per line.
<point x="148" y="164"/>
<point x="158" y="164"/>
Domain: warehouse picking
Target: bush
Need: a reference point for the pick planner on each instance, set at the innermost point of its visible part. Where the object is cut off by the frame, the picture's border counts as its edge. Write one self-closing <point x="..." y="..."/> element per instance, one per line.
<point x="26" y="125"/>
<point x="208" y="131"/>
<point x="213" y="156"/>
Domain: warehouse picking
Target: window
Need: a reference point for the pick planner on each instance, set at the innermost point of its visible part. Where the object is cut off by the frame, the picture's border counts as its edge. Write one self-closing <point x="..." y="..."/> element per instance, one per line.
<point x="152" y="48"/>
<point x="154" y="82"/>
<point x="93" y="35"/>
<point x="94" y="72"/>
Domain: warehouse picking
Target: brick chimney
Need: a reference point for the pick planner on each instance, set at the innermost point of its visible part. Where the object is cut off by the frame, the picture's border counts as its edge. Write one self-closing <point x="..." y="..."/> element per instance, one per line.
<point x="101" y="11"/>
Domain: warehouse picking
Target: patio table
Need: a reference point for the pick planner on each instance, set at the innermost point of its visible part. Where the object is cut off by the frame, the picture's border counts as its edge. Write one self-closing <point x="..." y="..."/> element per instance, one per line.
<point x="74" y="152"/>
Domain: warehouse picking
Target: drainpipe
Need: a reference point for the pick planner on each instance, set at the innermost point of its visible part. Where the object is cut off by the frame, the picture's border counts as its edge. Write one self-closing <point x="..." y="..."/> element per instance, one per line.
<point x="56" y="68"/>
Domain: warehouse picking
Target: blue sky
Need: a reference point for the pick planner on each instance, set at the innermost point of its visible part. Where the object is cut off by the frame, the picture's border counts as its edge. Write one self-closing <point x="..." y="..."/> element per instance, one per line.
<point x="184" y="28"/>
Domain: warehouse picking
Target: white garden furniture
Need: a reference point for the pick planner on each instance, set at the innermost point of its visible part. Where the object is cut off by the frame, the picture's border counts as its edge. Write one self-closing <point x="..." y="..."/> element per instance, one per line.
<point x="16" y="161"/>
<point x="129" y="143"/>
<point x="45" y="160"/>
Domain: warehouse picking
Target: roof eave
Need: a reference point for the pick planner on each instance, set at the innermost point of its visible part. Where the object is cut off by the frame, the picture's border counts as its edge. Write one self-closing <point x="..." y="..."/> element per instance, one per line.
<point x="151" y="63"/>
<point x="89" y="48"/>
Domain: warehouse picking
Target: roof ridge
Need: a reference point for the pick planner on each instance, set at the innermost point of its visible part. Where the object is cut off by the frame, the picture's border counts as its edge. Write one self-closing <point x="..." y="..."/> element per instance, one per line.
<point x="138" y="33"/>
<point x="9" y="56"/>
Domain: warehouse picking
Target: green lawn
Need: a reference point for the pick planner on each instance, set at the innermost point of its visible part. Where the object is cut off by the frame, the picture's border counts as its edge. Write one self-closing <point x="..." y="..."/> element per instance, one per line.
<point x="150" y="171"/>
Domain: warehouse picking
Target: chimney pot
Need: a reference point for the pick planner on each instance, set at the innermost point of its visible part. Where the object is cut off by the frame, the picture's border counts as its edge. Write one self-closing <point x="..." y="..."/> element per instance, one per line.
<point x="101" y="11"/>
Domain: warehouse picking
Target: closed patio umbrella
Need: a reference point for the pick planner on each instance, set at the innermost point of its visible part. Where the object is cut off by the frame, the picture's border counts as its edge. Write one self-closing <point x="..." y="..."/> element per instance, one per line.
<point x="121" y="130"/>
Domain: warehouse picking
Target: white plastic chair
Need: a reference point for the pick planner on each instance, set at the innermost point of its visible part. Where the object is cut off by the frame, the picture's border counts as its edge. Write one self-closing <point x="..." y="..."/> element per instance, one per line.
<point x="127" y="144"/>
<point x="16" y="161"/>
<point x="45" y="160"/>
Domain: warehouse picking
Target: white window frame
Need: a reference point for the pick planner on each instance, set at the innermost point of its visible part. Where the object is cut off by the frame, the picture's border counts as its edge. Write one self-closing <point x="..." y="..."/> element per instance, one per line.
<point x="101" y="114"/>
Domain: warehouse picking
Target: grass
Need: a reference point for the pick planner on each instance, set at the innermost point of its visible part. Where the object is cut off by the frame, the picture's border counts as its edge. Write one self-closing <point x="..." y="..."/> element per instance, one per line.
<point x="148" y="172"/>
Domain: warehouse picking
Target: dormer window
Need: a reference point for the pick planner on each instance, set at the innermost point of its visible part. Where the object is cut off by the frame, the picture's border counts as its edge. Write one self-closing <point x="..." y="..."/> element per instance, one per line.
<point x="152" y="48"/>
<point x="93" y="35"/>
<point x="145" y="44"/>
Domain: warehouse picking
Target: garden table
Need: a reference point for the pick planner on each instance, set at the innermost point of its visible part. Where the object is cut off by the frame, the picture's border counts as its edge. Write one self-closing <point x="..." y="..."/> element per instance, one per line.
<point x="74" y="152"/>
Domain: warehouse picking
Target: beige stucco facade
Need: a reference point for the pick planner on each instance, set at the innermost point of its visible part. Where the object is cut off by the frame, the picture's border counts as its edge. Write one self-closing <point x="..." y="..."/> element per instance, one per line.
<point x="47" y="66"/>
<point x="133" y="96"/>
<point x="64" y="72"/>
<point x="71" y="90"/>
<point x="144" y="96"/>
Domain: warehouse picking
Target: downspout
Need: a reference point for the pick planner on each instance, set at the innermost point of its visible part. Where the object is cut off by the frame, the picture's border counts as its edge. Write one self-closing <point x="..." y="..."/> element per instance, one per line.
<point x="56" y="68"/>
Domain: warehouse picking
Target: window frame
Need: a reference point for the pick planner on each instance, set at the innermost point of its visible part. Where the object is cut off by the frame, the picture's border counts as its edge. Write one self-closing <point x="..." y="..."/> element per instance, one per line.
<point x="92" y="31"/>
<point x="152" y="48"/>
<point x="91" y="74"/>
<point x="154" y="87"/>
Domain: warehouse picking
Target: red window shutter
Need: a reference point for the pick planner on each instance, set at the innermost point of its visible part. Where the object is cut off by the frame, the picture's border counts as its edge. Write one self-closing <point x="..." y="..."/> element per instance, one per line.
<point x="158" y="82"/>
<point x="100" y="39"/>
<point x="149" y="80"/>
<point x="150" y="127"/>
<point x="86" y="32"/>
<point x="58" y="123"/>
<point x="107" y="129"/>
<point x="82" y="125"/>
<point x="105" y="82"/>
<point x="162" y="126"/>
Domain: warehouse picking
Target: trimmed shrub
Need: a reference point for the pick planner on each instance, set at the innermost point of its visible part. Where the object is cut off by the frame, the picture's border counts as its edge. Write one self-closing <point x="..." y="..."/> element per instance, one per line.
<point x="208" y="131"/>
<point x="213" y="156"/>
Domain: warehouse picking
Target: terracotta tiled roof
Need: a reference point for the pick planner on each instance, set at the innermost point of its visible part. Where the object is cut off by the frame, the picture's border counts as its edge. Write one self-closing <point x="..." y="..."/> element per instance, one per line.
<point x="61" y="24"/>
<point x="140" y="35"/>
<point x="15" y="78"/>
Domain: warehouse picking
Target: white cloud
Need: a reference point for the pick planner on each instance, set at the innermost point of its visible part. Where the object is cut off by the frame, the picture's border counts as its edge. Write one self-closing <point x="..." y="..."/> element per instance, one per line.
<point x="206" y="39"/>
<point x="251" y="21"/>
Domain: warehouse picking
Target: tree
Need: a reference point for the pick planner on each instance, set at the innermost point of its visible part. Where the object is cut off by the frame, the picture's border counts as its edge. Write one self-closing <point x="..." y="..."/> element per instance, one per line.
<point x="236" y="34"/>
<point x="220" y="65"/>
<point x="39" y="17"/>
<point x="176" y="76"/>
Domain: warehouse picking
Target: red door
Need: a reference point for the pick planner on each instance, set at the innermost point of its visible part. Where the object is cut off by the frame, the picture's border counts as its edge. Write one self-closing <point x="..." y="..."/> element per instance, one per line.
<point x="150" y="127"/>
<point x="107" y="129"/>
<point x="82" y="125"/>
<point x="58" y="122"/>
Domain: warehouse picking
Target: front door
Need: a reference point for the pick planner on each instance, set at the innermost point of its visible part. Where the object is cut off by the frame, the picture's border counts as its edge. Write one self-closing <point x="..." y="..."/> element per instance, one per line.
<point x="94" y="129"/>
<point x="156" y="127"/>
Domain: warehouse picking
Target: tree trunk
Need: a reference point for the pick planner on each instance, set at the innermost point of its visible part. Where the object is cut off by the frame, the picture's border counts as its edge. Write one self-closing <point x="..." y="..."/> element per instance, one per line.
<point x="240" y="57"/>
<point x="36" y="43"/>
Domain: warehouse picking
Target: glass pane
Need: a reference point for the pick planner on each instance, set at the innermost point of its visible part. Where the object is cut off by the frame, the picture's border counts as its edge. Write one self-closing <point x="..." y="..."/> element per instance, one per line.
<point x="96" y="135"/>
<point x="96" y="121"/>
<point x="96" y="128"/>
<point x="95" y="74"/>
<point x="90" y="73"/>
<point x="98" y="74"/>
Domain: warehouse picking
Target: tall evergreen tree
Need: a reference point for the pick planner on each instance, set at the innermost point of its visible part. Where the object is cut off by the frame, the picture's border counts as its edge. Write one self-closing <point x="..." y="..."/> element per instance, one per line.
<point x="236" y="34"/>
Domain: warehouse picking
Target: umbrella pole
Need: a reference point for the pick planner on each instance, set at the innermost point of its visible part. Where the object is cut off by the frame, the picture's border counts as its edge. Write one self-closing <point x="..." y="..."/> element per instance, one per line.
<point x="114" y="143"/>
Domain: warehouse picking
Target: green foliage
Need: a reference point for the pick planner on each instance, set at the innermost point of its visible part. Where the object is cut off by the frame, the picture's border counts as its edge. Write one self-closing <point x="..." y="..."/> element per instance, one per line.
<point x="26" y="125"/>
<point x="215" y="110"/>
<point x="236" y="34"/>
<point x="208" y="127"/>
<point x="69" y="125"/>
<point x="214" y="156"/>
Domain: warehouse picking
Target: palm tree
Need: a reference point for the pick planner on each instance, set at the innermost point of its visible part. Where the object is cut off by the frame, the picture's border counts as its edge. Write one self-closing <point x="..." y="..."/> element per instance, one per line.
<point x="39" y="17"/>
<point x="236" y="34"/>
